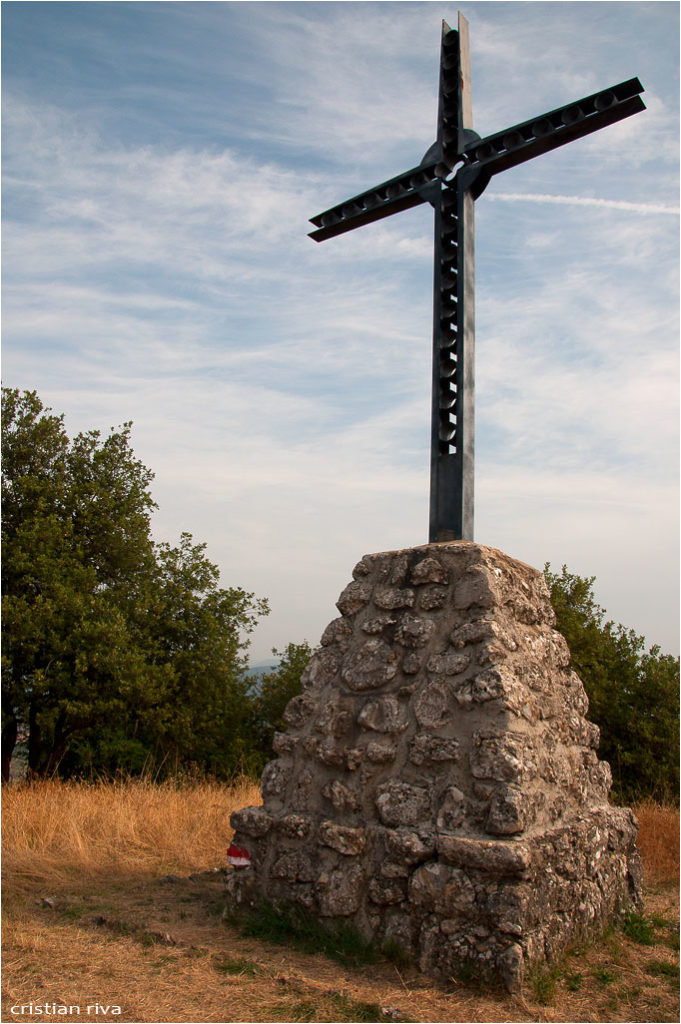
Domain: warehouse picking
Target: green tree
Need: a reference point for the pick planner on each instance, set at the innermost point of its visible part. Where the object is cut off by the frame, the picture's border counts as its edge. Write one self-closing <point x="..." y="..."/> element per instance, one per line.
<point x="116" y="650"/>
<point x="65" y="645"/>
<point x="271" y="694"/>
<point x="199" y="632"/>
<point x="633" y="694"/>
<point x="193" y="710"/>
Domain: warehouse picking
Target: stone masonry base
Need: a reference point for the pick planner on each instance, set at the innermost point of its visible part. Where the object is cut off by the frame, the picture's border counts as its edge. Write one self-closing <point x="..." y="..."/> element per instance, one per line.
<point x="437" y="786"/>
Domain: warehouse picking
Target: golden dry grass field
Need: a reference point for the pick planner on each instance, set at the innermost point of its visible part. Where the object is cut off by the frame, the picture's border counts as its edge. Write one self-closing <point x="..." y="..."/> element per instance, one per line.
<point x="113" y="896"/>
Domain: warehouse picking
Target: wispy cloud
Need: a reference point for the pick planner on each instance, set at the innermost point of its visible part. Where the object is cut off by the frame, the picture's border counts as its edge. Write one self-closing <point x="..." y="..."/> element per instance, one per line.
<point x="613" y="204"/>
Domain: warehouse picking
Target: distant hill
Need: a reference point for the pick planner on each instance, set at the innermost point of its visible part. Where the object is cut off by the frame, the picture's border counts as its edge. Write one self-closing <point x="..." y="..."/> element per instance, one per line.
<point x="262" y="666"/>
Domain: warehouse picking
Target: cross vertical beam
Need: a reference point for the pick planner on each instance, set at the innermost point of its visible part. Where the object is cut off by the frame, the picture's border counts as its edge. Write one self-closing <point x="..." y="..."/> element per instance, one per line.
<point x="452" y="452"/>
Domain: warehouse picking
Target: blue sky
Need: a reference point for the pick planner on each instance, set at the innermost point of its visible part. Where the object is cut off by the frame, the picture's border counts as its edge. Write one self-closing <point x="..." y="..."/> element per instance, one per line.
<point x="161" y="161"/>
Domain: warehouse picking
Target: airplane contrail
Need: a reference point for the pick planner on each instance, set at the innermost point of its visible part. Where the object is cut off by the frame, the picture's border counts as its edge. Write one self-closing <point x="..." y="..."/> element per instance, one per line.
<point x="617" y="204"/>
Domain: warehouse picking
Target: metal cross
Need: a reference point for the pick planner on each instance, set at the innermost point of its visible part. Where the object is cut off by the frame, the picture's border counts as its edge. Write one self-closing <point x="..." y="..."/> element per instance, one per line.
<point x="453" y="173"/>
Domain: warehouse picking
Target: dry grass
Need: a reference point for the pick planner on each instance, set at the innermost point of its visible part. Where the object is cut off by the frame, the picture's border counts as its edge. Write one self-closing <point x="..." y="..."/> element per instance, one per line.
<point x="55" y="832"/>
<point x="658" y="841"/>
<point x="89" y="919"/>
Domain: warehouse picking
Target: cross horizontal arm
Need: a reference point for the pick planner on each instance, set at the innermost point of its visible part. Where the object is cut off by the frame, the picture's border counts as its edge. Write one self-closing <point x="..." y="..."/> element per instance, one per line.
<point x="524" y="141"/>
<point x="400" y="193"/>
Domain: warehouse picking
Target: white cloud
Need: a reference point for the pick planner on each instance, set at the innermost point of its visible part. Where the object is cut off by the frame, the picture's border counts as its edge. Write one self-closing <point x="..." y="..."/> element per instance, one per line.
<point x="613" y="204"/>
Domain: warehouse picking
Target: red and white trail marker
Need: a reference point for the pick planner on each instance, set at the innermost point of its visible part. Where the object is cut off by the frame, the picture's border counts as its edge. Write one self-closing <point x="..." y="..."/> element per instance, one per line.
<point x="238" y="856"/>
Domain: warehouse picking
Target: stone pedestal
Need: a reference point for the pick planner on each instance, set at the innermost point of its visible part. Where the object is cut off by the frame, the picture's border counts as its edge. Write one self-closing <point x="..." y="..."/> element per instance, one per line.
<point x="438" y="784"/>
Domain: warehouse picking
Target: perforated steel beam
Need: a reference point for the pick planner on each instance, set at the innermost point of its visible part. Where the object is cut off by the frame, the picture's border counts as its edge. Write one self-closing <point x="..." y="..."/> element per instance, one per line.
<point x="541" y="134"/>
<point x="453" y="390"/>
<point x="400" y="193"/>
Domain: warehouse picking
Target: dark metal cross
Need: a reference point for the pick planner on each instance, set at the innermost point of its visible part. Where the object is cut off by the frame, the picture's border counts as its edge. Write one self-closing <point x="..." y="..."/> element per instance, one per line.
<point x="453" y="173"/>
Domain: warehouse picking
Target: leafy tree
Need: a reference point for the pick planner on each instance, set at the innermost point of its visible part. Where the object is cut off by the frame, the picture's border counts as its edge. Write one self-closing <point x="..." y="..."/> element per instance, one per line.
<point x="65" y="650"/>
<point x="633" y="694"/>
<point x="117" y="650"/>
<point x="271" y="695"/>
<point x="196" y="635"/>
